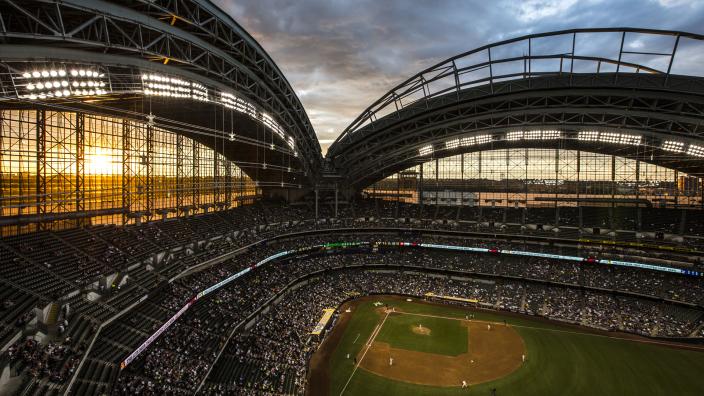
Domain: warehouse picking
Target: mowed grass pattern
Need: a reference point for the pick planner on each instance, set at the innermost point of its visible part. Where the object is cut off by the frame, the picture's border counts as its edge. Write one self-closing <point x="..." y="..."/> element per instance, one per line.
<point x="447" y="337"/>
<point x="560" y="361"/>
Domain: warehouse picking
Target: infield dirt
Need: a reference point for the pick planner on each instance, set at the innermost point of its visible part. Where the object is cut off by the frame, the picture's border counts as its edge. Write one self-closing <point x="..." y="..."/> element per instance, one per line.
<point x="492" y="354"/>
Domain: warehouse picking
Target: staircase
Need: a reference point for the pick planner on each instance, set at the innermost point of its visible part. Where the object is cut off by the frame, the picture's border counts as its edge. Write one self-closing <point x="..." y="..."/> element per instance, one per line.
<point x="53" y="314"/>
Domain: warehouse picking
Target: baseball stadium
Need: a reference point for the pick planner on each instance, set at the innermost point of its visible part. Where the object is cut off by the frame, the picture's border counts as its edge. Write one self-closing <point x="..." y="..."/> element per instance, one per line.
<point x="523" y="216"/>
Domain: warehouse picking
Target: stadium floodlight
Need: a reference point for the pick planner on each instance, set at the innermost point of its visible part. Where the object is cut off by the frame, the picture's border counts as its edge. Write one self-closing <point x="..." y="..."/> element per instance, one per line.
<point x="532" y="135"/>
<point x="695" y="150"/>
<point x="589" y="136"/>
<point x="550" y="135"/>
<point x="610" y="137"/>
<point x="467" y="141"/>
<point x="632" y="140"/>
<point x="515" y="135"/>
<point x="673" y="145"/>
<point x="452" y="144"/>
<point x="63" y="83"/>
<point x="425" y="150"/>
<point x="482" y="139"/>
<point x="243" y="106"/>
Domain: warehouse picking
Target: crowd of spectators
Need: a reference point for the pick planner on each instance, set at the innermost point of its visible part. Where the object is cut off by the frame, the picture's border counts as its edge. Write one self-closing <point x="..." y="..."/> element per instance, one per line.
<point x="53" y="360"/>
<point x="74" y="258"/>
<point x="271" y="357"/>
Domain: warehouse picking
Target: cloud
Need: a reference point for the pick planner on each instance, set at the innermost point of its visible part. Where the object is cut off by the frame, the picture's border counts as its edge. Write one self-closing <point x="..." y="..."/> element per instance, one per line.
<point x="534" y="10"/>
<point x="341" y="56"/>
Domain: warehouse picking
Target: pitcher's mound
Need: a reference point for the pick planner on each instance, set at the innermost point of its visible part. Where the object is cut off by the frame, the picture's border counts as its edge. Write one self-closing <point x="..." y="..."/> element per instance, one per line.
<point x="421" y="330"/>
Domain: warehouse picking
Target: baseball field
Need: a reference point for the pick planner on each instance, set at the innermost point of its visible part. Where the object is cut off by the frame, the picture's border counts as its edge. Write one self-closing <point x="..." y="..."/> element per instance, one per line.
<point x="386" y="345"/>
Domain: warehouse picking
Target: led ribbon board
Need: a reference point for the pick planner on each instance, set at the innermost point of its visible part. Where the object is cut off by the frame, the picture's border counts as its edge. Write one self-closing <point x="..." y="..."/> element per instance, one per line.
<point x="652" y="267"/>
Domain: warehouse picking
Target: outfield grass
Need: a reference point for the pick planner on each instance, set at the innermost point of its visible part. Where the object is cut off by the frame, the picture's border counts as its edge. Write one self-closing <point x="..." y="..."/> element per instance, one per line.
<point x="448" y="337"/>
<point x="560" y="361"/>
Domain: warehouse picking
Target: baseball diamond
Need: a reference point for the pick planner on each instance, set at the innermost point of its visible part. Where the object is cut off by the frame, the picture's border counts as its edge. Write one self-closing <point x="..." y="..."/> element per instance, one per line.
<point x="552" y="355"/>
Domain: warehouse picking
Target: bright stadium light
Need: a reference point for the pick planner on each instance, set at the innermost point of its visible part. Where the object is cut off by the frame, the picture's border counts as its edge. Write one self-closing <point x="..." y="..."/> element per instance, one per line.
<point x="159" y="85"/>
<point x="589" y="136"/>
<point x="672" y="145"/>
<point x="695" y="151"/>
<point x="610" y="137"/>
<point x="550" y="135"/>
<point x="515" y="135"/>
<point x="425" y="150"/>
<point x="452" y="144"/>
<point x="63" y="83"/>
<point x="531" y="135"/>
<point x="482" y="139"/>
<point x="243" y="106"/>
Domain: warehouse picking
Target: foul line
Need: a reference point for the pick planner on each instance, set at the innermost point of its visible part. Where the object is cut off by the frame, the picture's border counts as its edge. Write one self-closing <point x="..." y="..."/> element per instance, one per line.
<point x="369" y="345"/>
<point x="671" y="344"/>
<point x="356" y="338"/>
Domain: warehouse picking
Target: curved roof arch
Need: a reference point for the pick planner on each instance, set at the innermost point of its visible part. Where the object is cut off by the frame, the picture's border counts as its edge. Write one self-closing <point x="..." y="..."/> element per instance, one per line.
<point x="193" y="41"/>
<point x="624" y="92"/>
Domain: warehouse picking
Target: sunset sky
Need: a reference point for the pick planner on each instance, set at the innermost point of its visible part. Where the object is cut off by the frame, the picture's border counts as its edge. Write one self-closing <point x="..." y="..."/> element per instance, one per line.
<point x="340" y="56"/>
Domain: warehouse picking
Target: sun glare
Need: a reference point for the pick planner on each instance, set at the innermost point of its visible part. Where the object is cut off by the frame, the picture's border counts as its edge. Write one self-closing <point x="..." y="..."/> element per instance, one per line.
<point x="99" y="162"/>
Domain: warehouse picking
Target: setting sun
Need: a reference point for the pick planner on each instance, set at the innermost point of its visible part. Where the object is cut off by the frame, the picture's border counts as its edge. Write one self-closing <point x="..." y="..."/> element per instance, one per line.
<point x="99" y="162"/>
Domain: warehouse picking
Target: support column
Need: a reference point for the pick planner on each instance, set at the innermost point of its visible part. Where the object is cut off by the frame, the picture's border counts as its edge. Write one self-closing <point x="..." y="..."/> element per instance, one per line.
<point x="316" y="203"/>
<point x="638" y="182"/>
<point x="179" y="173"/>
<point x="613" y="192"/>
<point x="420" y="187"/>
<point x="41" y="166"/>
<point x="677" y="189"/>
<point x="196" y="175"/>
<point x="228" y="182"/>
<point x="437" y="182"/>
<point x="150" y="176"/>
<point x="555" y="186"/>
<point x="216" y="176"/>
<point x="80" y="162"/>
<point x="126" y="173"/>
<point x="479" y="193"/>
<point x="335" y="200"/>
<point x="579" y="186"/>
<point x="40" y="190"/>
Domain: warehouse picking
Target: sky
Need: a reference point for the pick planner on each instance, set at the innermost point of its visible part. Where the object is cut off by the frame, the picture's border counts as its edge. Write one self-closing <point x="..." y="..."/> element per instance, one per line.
<point x="340" y="56"/>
